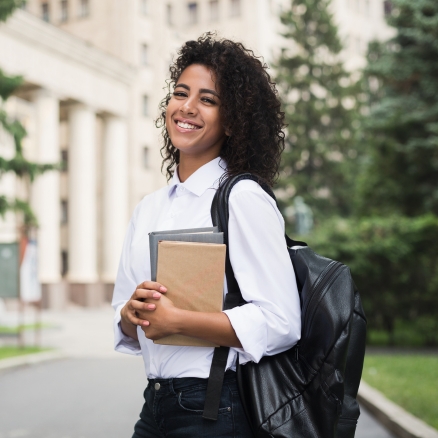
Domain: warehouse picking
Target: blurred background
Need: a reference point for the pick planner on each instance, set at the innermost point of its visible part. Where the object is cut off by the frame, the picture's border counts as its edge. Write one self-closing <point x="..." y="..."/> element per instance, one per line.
<point x="80" y="84"/>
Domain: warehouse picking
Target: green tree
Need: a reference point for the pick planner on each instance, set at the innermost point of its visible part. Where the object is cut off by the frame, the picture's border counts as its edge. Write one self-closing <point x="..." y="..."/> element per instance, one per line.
<point x="400" y="173"/>
<point x="321" y="107"/>
<point x="18" y="163"/>
<point x="401" y="133"/>
<point x="7" y="7"/>
<point x="395" y="267"/>
<point x="389" y="243"/>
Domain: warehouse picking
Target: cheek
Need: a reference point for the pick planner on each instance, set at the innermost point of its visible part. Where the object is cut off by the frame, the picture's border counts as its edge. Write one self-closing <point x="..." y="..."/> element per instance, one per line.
<point x="168" y="117"/>
<point x="215" y="123"/>
<point x="172" y="108"/>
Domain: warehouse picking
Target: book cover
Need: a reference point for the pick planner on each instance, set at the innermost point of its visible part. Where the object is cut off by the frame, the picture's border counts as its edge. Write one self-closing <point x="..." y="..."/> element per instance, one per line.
<point x="208" y="235"/>
<point x="193" y="273"/>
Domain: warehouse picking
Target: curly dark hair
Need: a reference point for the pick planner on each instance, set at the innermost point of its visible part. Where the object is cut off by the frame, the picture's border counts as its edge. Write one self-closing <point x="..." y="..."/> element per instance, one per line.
<point x="250" y="107"/>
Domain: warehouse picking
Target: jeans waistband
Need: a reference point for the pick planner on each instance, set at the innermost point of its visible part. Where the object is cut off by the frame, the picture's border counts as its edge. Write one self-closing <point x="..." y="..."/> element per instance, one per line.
<point x="178" y="383"/>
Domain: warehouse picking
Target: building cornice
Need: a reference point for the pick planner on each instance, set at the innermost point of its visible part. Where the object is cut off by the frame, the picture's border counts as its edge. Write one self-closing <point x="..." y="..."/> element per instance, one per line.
<point x="33" y="30"/>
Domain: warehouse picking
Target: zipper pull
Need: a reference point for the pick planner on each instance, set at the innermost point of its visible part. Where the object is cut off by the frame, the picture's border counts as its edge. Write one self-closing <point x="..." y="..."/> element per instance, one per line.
<point x="296" y="352"/>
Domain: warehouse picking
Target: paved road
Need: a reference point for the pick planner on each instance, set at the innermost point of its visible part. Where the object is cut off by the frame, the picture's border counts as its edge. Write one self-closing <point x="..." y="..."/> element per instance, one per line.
<point x="86" y="398"/>
<point x="96" y="393"/>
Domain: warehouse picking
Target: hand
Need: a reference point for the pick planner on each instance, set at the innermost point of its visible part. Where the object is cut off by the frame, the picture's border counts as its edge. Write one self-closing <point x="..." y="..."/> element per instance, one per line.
<point x="161" y="321"/>
<point x="132" y="312"/>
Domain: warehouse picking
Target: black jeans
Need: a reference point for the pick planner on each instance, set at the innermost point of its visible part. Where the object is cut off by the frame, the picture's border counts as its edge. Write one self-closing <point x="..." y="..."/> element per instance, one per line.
<point x="173" y="408"/>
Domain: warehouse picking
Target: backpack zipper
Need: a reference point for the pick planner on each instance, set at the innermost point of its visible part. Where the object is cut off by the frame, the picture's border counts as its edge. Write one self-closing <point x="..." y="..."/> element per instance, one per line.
<point x="321" y="283"/>
<point x="318" y="281"/>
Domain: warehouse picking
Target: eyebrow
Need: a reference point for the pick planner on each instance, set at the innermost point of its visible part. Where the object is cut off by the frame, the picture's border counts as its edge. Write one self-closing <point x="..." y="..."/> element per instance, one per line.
<point x="201" y="90"/>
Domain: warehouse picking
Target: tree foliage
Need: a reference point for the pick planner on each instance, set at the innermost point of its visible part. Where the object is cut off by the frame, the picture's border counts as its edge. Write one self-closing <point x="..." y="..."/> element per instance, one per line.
<point x="7" y="7"/>
<point x="381" y="213"/>
<point x="401" y="133"/>
<point x="393" y="263"/>
<point x="18" y="164"/>
<point x="321" y="107"/>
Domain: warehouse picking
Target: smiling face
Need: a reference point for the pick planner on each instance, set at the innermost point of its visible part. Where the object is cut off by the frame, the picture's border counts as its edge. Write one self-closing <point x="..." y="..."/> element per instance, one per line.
<point x="193" y="120"/>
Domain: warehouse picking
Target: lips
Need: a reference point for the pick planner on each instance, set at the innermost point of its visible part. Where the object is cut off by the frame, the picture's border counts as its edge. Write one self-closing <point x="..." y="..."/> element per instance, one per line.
<point x="186" y="125"/>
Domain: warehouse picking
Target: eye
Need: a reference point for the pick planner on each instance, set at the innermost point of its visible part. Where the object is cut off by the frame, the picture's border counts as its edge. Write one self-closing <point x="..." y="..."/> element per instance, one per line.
<point x="179" y="94"/>
<point x="208" y="100"/>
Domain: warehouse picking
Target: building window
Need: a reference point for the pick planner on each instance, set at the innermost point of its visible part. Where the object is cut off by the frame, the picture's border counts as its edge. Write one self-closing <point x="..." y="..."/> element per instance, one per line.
<point x="145" y="106"/>
<point x="169" y="15"/>
<point x="64" y="10"/>
<point x="64" y="263"/>
<point x="235" y="8"/>
<point x="64" y="160"/>
<point x="144" y="52"/>
<point x="45" y="14"/>
<point x="84" y="8"/>
<point x="193" y="13"/>
<point x="146" y="158"/>
<point x="144" y="7"/>
<point x="387" y="7"/>
<point x="64" y="212"/>
<point x="214" y="10"/>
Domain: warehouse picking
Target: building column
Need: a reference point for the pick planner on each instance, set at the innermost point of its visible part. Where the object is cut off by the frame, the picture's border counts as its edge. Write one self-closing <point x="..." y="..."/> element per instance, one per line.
<point x="82" y="222"/>
<point x="115" y="197"/>
<point x="46" y="199"/>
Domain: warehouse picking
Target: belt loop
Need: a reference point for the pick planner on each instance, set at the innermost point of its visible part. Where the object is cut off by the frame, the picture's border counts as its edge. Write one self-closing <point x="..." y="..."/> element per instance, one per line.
<point x="171" y="389"/>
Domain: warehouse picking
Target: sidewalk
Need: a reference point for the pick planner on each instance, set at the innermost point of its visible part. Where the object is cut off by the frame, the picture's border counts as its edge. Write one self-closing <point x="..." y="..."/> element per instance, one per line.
<point x="79" y="332"/>
<point x="74" y="332"/>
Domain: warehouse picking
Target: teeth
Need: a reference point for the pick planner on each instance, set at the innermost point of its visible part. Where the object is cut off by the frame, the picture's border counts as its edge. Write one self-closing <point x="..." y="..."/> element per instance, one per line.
<point x="186" y="125"/>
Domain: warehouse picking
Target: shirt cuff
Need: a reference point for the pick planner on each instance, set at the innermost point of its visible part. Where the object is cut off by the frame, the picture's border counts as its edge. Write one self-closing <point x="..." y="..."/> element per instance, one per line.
<point x="249" y="325"/>
<point x="122" y="343"/>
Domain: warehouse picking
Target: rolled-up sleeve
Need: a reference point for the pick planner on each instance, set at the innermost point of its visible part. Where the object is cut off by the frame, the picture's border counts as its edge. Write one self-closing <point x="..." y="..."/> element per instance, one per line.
<point x="270" y="322"/>
<point x="123" y="289"/>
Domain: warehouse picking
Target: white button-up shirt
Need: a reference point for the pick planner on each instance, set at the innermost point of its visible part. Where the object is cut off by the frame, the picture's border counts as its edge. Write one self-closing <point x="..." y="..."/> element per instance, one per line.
<point x="270" y="321"/>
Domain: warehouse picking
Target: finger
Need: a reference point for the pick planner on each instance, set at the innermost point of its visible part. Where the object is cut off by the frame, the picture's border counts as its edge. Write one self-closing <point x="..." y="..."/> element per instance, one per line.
<point x="137" y="321"/>
<point x="140" y="305"/>
<point x="153" y="285"/>
<point x="145" y="294"/>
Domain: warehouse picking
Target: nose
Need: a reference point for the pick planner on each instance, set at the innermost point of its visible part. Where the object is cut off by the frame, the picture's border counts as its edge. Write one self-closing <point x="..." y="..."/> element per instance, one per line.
<point x="188" y="107"/>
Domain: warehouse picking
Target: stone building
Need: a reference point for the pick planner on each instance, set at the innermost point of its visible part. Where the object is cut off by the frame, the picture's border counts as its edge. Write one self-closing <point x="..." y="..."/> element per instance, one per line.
<point x="94" y="74"/>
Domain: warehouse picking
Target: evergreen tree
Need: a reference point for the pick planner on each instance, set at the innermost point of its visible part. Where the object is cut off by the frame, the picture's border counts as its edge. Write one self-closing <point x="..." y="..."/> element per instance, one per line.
<point x="321" y="105"/>
<point x="17" y="164"/>
<point x="7" y="7"/>
<point x="401" y="134"/>
<point x="391" y="249"/>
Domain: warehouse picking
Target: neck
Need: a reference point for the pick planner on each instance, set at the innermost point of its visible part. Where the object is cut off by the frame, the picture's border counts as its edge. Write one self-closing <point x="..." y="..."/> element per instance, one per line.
<point x="189" y="164"/>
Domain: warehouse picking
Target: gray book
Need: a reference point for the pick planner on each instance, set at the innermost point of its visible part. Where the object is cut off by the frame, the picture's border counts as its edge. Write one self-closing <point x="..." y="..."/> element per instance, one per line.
<point x="206" y="235"/>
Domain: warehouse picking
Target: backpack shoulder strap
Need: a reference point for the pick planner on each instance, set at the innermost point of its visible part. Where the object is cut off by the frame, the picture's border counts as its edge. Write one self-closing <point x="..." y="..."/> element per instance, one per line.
<point x="219" y="216"/>
<point x="220" y="211"/>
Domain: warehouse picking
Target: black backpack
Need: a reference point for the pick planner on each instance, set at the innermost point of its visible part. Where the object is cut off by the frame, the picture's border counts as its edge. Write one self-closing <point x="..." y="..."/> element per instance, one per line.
<point x="310" y="390"/>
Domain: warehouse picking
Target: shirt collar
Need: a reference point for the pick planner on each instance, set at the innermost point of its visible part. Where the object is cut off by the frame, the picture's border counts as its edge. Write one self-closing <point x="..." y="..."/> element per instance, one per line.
<point x="201" y="180"/>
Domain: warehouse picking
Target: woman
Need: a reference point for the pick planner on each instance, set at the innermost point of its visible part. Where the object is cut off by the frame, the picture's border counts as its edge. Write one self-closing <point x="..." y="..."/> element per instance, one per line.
<point x="221" y="118"/>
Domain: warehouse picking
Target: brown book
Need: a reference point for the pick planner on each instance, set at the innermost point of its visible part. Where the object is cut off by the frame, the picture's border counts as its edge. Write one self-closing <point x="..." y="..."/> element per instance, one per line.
<point x="194" y="276"/>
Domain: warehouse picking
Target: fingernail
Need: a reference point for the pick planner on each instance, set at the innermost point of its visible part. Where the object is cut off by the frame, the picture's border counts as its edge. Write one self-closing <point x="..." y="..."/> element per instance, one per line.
<point x="151" y="306"/>
<point x="145" y="322"/>
<point x="163" y="289"/>
<point x="156" y="295"/>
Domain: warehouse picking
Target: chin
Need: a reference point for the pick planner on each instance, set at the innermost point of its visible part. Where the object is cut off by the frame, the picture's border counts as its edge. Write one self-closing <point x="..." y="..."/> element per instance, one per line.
<point x="182" y="146"/>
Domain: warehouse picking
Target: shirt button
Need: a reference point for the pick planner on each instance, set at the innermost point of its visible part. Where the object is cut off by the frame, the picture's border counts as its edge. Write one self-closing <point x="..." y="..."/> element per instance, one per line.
<point x="157" y="386"/>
